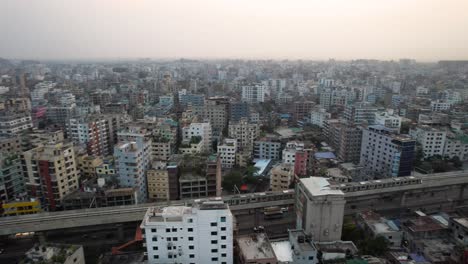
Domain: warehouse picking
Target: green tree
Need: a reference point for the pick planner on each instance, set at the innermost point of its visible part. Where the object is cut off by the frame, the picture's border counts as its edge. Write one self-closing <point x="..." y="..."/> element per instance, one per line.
<point x="232" y="179"/>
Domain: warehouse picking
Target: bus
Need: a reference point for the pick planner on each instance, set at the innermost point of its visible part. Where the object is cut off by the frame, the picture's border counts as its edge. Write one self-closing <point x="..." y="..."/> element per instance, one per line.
<point x="273" y="212"/>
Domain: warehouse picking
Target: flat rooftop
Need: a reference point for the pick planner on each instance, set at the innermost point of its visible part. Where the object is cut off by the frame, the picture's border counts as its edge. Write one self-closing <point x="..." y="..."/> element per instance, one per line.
<point x="461" y="221"/>
<point x="256" y="247"/>
<point x="318" y="186"/>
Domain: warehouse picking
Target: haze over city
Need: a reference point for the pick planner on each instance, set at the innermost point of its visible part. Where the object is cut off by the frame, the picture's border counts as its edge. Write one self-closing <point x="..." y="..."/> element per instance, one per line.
<point x="426" y="30"/>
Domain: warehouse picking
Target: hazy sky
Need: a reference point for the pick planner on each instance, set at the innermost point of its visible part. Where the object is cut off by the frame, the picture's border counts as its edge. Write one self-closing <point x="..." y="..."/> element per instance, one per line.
<point x="308" y="29"/>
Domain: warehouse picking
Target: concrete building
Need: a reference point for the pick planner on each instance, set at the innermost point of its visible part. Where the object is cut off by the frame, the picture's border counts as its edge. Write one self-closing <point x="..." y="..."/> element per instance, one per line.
<point x="217" y="112"/>
<point x="60" y="115"/>
<point x="132" y="158"/>
<point x="345" y="139"/>
<point x="267" y="148"/>
<point x="388" y="119"/>
<point x="275" y="86"/>
<point x="227" y="152"/>
<point x="376" y="225"/>
<point x="281" y="177"/>
<point x="14" y="123"/>
<point x="253" y="93"/>
<point x="91" y="132"/>
<point x="432" y="140"/>
<point x="319" y="116"/>
<point x="213" y="175"/>
<point x="302" y="109"/>
<point x="10" y="143"/>
<point x="180" y="234"/>
<point x="202" y="130"/>
<point x="255" y="248"/>
<point x="319" y="209"/>
<point x="51" y="173"/>
<point x="459" y="230"/>
<point x="11" y="176"/>
<point x="245" y="133"/>
<point x="158" y="181"/>
<point x="440" y="106"/>
<point x="238" y="111"/>
<point x="192" y="186"/>
<point x="386" y="154"/>
<point x="87" y="165"/>
<point x="360" y="113"/>
<point x="162" y="149"/>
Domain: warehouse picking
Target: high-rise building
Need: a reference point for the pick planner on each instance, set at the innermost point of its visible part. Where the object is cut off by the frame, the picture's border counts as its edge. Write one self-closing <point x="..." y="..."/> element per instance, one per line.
<point x="282" y="175"/>
<point x="385" y="153"/>
<point x="346" y="139"/>
<point x="238" y="111"/>
<point x="302" y="109"/>
<point x="217" y="112"/>
<point x="93" y="133"/>
<point x="359" y="113"/>
<point x="11" y="176"/>
<point x="51" y="173"/>
<point x="158" y="182"/>
<point x="253" y="93"/>
<point x="180" y="234"/>
<point x="319" y="209"/>
<point x="267" y="148"/>
<point x="388" y="119"/>
<point x="227" y="152"/>
<point x="132" y="158"/>
<point x="213" y="175"/>
<point x="245" y="133"/>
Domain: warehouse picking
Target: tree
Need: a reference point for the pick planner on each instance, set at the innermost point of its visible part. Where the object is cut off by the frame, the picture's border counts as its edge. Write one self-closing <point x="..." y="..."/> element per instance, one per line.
<point x="232" y="179"/>
<point x="457" y="163"/>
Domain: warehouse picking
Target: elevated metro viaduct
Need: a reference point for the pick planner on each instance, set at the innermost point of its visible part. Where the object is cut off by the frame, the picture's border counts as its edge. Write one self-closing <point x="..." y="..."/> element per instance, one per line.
<point x="443" y="191"/>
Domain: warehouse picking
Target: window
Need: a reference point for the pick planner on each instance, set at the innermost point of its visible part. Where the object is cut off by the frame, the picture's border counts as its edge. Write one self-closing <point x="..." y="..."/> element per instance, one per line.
<point x="156" y="256"/>
<point x="223" y="237"/>
<point x="214" y="250"/>
<point x="168" y="230"/>
<point x="214" y="259"/>
<point x="191" y="247"/>
<point x="190" y="238"/>
<point x="223" y="246"/>
<point x="311" y="257"/>
<point x="223" y="255"/>
<point x="174" y="239"/>
<point x="192" y="256"/>
<point x="174" y="229"/>
<point x="155" y="239"/>
<point x="214" y="224"/>
<point x="214" y="241"/>
<point x="214" y="233"/>
<point x="168" y="239"/>
<point x="223" y="219"/>
<point x="153" y="230"/>
<point x="169" y="256"/>
<point x="190" y="229"/>
<point x="223" y="228"/>
<point x="155" y="248"/>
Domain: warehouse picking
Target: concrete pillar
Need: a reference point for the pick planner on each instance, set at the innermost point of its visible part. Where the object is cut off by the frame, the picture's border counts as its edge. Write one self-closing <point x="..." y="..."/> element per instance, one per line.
<point x="403" y="200"/>
<point x="461" y="194"/>
<point x="120" y="232"/>
<point x="42" y="237"/>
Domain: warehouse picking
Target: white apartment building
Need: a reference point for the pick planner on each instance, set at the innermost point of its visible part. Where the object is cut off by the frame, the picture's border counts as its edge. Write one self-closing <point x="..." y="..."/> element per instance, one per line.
<point x="11" y="123"/>
<point x="318" y="116"/>
<point x="267" y="148"/>
<point x="432" y="140"/>
<point x="388" y="119"/>
<point x="198" y="129"/>
<point x="289" y="152"/>
<point x="253" y="93"/>
<point x="245" y="133"/>
<point x="91" y="133"/>
<point x="275" y="86"/>
<point x="439" y="106"/>
<point x="192" y="235"/>
<point x="227" y="152"/>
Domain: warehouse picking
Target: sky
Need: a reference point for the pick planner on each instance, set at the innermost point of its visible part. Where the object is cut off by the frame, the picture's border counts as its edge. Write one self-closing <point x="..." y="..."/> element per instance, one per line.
<point x="425" y="30"/>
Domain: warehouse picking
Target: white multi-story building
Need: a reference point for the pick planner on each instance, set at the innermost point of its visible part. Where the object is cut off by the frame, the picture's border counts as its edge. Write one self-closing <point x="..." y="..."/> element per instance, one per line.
<point x="253" y="93"/>
<point x="432" y="140"/>
<point x="227" y="152"/>
<point x="180" y="234"/>
<point x="439" y="106"/>
<point x="198" y="129"/>
<point x="318" y="116"/>
<point x="385" y="154"/>
<point x="11" y="123"/>
<point x="388" y="119"/>
<point x="244" y="132"/>
<point x="275" y="86"/>
<point x="289" y="152"/>
<point x="360" y="112"/>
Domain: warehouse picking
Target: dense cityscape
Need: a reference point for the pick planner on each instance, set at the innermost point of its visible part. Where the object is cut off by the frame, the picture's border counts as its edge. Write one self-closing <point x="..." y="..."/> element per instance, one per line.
<point x="234" y="132"/>
<point x="257" y="161"/>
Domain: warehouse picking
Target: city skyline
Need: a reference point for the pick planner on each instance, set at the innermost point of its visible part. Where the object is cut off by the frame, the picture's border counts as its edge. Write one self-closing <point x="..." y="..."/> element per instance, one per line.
<point x="309" y="30"/>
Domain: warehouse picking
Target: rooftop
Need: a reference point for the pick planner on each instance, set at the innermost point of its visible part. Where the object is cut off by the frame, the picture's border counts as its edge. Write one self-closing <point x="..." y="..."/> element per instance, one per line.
<point x="256" y="247"/>
<point x="461" y="221"/>
<point x="318" y="186"/>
